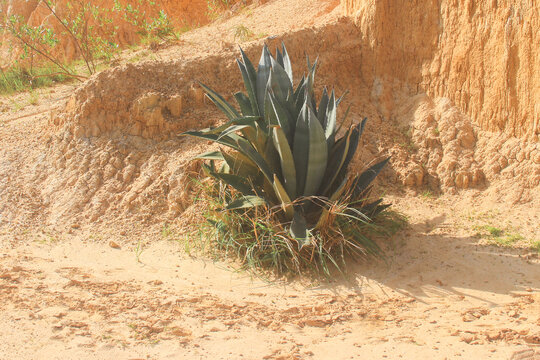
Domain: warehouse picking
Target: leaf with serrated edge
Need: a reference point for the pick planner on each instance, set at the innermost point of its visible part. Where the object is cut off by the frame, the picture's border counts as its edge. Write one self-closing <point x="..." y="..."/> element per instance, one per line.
<point x="244" y="103"/>
<point x="221" y="103"/>
<point x="287" y="63"/>
<point x="287" y="161"/>
<point x="246" y="202"/>
<point x="301" y="150"/>
<point x="286" y="203"/>
<point x="211" y="155"/>
<point x="318" y="155"/>
<point x="263" y="73"/>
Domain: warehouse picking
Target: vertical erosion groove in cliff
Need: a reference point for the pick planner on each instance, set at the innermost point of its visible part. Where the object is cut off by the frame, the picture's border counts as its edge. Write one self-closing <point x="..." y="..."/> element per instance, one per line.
<point x="483" y="55"/>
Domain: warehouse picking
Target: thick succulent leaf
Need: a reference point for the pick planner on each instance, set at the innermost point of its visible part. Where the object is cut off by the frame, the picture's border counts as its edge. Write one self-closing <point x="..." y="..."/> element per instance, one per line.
<point x="221" y="103"/>
<point x="232" y="129"/>
<point x="300" y="100"/>
<point x="288" y="169"/>
<point x="299" y="230"/>
<point x="244" y="103"/>
<point x="246" y="202"/>
<point x="235" y="181"/>
<point x="261" y="140"/>
<point x="249" y="75"/>
<point x="211" y="155"/>
<point x="339" y="191"/>
<point x="280" y="82"/>
<point x="279" y="116"/>
<point x="269" y="114"/>
<point x="323" y="105"/>
<point x="279" y="57"/>
<point x="250" y="133"/>
<point x="374" y="208"/>
<point x="229" y="141"/>
<point x="355" y="139"/>
<point x="271" y="156"/>
<point x="287" y="63"/>
<point x="246" y="120"/>
<point x="249" y="151"/>
<point x="311" y="82"/>
<point x="336" y="161"/>
<point x="331" y="116"/>
<point x="362" y="182"/>
<point x="263" y="73"/>
<point x="240" y="164"/>
<point x="301" y="150"/>
<point x="286" y="203"/>
<point x="299" y="92"/>
<point x="318" y="155"/>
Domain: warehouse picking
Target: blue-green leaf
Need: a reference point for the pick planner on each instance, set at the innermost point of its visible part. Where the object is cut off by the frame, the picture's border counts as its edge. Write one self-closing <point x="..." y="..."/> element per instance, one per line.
<point x="323" y="105"/>
<point x="250" y="81"/>
<point x="248" y="150"/>
<point x="246" y="202"/>
<point x="211" y="155"/>
<point x="237" y="182"/>
<point x="221" y="103"/>
<point x="263" y="73"/>
<point x="301" y="149"/>
<point x="318" y="155"/>
<point x="331" y="116"/>
<point x="287" y="161"/>
<point x="362" y="182"/>
<point x="284" y="198"/>
<point x="287" y="63"/>
<point x="229" y="141"/>
<point x="244" y="103"/>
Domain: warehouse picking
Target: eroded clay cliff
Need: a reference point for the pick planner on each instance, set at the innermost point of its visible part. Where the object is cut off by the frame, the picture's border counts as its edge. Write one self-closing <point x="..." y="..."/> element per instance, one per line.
<point x="481" y="54"/>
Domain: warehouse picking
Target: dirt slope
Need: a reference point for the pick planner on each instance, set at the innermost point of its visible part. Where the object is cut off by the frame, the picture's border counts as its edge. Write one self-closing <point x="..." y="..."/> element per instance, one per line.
<point x="100" y="162"/>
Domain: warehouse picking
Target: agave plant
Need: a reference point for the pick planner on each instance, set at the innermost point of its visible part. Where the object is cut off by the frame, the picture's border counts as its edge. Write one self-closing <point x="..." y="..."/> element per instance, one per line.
<point x="287" y="151"/>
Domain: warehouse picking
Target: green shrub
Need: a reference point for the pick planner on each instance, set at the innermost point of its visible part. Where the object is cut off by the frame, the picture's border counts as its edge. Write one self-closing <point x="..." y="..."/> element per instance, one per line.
<point x="288" y="174"/>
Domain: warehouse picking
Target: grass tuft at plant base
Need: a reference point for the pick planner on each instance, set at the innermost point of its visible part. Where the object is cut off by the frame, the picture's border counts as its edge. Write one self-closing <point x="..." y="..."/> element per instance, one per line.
<point x="262" y="245"/>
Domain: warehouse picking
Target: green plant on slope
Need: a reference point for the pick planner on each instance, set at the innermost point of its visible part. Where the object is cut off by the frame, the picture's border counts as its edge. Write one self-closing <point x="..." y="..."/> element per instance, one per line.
<point x="89" y="27"/>
<point x="242" y="33"/>
<point x="150" y="27"/>
<point x="288" y="158"/>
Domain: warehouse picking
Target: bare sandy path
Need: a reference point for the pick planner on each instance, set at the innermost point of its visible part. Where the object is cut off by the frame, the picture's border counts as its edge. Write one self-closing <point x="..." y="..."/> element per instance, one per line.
<point x="441" y="295"/>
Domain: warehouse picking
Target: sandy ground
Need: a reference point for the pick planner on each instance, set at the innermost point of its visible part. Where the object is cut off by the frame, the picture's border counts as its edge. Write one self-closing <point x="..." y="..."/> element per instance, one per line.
<point x="443" y="293"/>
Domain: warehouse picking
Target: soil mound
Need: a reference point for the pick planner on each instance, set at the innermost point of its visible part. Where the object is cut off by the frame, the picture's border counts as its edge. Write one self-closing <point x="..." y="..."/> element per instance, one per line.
<point x="113" y="150"/>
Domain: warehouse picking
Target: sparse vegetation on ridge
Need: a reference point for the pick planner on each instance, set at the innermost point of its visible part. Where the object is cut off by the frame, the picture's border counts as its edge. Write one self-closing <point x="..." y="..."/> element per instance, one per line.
<point x="92" y="31"/>
<point x="285" y="197"/>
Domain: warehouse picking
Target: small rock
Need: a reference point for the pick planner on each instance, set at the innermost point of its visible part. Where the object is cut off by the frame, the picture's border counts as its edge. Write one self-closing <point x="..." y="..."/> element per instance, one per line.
<point x="468" y="338"/>
<point x="493" y="335"/>
<point x="114" y="245"/>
